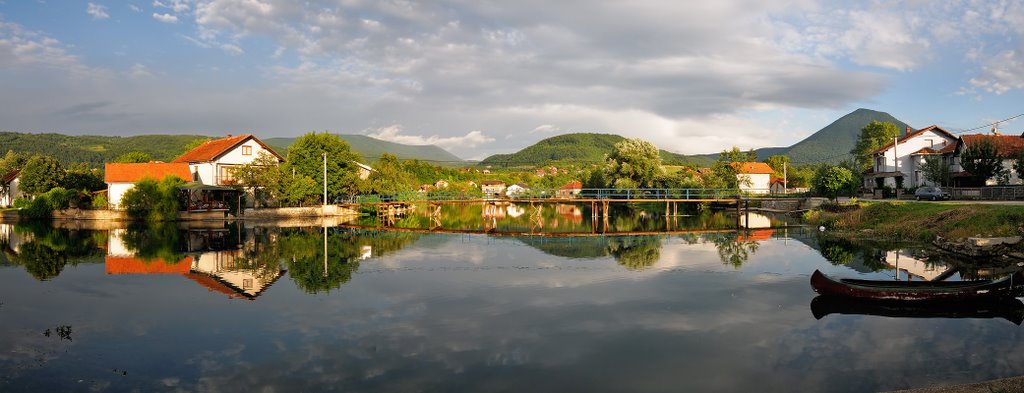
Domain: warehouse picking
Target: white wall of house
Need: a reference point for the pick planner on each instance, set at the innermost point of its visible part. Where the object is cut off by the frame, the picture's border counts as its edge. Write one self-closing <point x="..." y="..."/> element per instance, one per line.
<point x="115" y="192"/>
<point x="754" y="183"/>
<point x="214" y="172"/>
<point x="10" y="193"/>
<point x="514" y="190"/>
<point x="900" y="158"/>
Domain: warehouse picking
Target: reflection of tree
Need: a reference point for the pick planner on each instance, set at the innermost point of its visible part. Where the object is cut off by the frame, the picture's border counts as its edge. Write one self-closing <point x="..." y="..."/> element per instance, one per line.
<point x="149" y="241"/>
<point x="732" y="250"/>
<point x="635" y="252"/>
<point x="837" y="251"/>
<point x="303" y="253"/>
<point x="47" y="250"/>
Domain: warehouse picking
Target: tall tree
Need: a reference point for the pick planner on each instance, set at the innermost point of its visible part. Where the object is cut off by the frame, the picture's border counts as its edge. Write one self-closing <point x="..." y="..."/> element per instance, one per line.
<point x="935" y="169"/>
<point x="872" y="137"/>
<point x="633" y="163"/>
<point x="40" y="174"/>
<point x="134" y="157"/>
<point x="982" y="160"/>
<point x="305" y="157"/>
<point x="832" y="179"/>
<point x="12" y="161"/>
<point x="81" y="177"/>
<point x="780" y="165"/>
<point x="389" y="177"/>
<point x="723" y="172"/>
<point x="263" y="177"/>
<point x="1018" y="164"/>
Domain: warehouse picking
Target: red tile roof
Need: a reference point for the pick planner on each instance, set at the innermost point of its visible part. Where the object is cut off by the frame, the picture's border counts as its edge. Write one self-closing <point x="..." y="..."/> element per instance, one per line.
<point x="10" y="176"/>
<point x="933" y="127"/>
<point x="755" y="235"/>
<point x="573" y="185"/>
<point x="133" y="265"/>
<point x="948" y="149"/>
<point x="210" y="150"/>
<point x="214" y="285"/>
<point x="1007" y="145"/>
<point x="133" y="172"/>
<point x="753" y="168"/>
<point x="925" y="150"/>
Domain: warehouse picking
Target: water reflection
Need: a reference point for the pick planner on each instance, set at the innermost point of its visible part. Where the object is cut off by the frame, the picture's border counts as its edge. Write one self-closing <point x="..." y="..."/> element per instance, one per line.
<point x="1009" y="309"/>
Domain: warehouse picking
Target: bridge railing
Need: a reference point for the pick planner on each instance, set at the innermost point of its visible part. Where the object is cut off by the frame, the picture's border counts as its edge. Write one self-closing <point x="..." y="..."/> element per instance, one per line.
<point x="651" y="194"/>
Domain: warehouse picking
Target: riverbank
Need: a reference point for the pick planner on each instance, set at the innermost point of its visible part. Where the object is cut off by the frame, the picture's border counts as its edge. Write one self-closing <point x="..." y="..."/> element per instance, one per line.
<point x="302" y="214"/>
<point x="919" y="221"/>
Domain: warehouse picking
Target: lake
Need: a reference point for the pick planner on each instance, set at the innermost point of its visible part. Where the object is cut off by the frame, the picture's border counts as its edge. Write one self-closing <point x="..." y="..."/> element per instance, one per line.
<point x="242" y="308"/>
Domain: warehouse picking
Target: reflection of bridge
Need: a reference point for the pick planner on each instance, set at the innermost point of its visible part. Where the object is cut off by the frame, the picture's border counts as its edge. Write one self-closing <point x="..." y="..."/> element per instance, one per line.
<point x="748" y="234"/>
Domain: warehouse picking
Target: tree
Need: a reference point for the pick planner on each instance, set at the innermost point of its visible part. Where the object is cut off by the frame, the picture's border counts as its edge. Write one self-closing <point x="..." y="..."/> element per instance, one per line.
<point x="983" y="161"/>
<point x="390" y="177"/>
<point x="305" y="157"/>
<point x="12" y="161"/>
<point x="263" y="177"/>
<point x="299" y="190"/>
<point x="872" y="137"/>
<point x="935" y="170"/>
<point x="723" y="173"/>
<point x="832" y="179"/>
<point x="81" y="177"/>
<point x="634" y="163"/>
<point x="134" y="157"/>
<point x="780" y="165"/>
<point x="1018" y="164"/>
<point x="153" y="200"/>
<point x="40" y="174"/>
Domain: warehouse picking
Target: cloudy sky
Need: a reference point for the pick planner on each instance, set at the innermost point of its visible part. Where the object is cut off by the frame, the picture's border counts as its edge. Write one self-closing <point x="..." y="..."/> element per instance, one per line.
<point x="479" y="77"/>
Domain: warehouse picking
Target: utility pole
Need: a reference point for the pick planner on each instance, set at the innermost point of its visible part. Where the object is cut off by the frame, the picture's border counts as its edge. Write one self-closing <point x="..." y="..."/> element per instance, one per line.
<point x="325" y="178"/>
<point x="785" y="178"/>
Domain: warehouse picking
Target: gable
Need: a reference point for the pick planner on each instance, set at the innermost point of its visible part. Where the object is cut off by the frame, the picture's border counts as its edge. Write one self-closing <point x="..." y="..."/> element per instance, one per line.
<point x="933" y="132"/>
<point x="211" y="150"/>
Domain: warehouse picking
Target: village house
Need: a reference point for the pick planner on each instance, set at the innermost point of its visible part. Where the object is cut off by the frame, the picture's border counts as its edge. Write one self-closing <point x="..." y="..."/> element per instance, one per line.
<point x="9" y="188"/>
<point x="778" y="186"/>
<point x="363" y="171"/>
<point x="515" y="189"/>
<point x="441" y="183"/>
<point x="492" y="188"/>
<point x="426" y="188"/>
<point x="121" y="177"/>
<point x="570" y="189"/>
<point x="753" y="177"/>
<point x="899" y="164"/>
<point x="1009" y="147"/>
<point x="214" y="161"/>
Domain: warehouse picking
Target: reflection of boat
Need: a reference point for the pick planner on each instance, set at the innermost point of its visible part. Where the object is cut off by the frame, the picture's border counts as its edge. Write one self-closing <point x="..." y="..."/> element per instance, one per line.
<point x="1007" y="308"/>
<point x="916" y="290"/>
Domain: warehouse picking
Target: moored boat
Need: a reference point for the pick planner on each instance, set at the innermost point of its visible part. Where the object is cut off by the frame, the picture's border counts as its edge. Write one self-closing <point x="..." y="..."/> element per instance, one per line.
<point x="890" y="290"/>
<point x="1007" y="308"/>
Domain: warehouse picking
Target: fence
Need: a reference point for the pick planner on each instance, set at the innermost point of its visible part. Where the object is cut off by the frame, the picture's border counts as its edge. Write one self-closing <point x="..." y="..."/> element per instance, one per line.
<point x="651" y="194"/>
<point x="999" y="193"/>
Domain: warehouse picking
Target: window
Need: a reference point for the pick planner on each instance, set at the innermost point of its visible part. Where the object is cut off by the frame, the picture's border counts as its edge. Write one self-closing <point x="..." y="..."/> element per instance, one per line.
<point x="227" y="174"/>
<point x="246" y="283"/>
<point x="246" y="150"/>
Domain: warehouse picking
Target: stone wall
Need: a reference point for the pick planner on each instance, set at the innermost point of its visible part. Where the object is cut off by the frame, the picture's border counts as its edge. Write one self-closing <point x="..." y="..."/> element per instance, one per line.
<point x="298" y="212"/>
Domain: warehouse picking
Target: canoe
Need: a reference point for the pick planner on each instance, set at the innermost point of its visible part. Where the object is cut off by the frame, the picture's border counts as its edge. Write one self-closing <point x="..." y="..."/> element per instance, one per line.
<point x="1007" y="308"/>
<point x="890" y="290"/>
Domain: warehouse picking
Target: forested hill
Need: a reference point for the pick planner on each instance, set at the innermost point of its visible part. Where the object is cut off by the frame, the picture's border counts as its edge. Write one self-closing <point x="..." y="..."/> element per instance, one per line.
<point x="571" y="148"/>
<point x="93" y="149"/>
<point x="371" y="149"/>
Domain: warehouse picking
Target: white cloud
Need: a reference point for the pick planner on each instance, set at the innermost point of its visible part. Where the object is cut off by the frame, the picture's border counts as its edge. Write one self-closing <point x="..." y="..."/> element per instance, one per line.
<point x="97" y="11"/>
<point x="166" y="18"/>
<point x="138" y="71"/>
<point x="545" y="128"/>
<point x="394" y="134"/>
<point x="27" y="49"/>
<point x="176" y="5"/>
<point x="1002" y="73"/>
<point x="134" y="7"/>
<point x="232" y="49"/>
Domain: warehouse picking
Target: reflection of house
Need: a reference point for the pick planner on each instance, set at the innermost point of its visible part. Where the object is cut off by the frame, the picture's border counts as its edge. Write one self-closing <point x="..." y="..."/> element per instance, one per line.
<point x="493" y="211"/>
<point x="365" y="252"/>
<point x="753" y="177"/>
<point x="9" y="185"/>
<point x="571" y="212"/>
<point x="11" y="238"/>
<point x="755" y="220"/>
<point x="213" y="162"/>
<point x="912" y="267"/>
<point x="570" y="189"/>
<point x="515" y="211"/>
<point x="132" y="265"/>
<point x="755" y="235"/>
<point x="492" y="188"/>
<point x="515" y="189"/>
<point x="121" y="177"/>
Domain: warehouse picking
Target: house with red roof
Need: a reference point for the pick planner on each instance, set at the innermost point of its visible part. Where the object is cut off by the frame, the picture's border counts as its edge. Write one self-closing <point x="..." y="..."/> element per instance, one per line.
<point x="9" y="185"/>
<point x="213" y="162"/>
<point x="1007" y="146"/>
<point x="900" y="163"/>
<point x="570" y="189"/>
<point x="121" y="177"/>
<point x="753" y="177"/>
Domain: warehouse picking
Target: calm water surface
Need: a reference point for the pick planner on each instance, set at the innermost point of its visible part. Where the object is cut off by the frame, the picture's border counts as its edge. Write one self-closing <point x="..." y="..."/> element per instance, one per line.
<point x="241" y="309"/>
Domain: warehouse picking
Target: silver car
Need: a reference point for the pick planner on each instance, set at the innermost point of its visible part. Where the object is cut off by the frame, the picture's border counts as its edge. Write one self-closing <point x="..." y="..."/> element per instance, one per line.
<point x="931" y="194"/>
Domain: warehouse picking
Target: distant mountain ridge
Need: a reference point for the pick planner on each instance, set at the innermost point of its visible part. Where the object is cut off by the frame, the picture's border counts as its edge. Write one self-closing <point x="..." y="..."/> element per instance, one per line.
<point x="371" y="149"/>
<point x="567" y="148"/>
<point x="95" y="149"/>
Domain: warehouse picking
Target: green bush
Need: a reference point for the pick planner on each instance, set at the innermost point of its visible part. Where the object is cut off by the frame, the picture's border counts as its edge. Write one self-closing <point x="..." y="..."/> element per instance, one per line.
<point x="43" y="205"/>
<point x="22" y="203"/>
<point x="100" y="201"/>
<point x="152" y="200"/>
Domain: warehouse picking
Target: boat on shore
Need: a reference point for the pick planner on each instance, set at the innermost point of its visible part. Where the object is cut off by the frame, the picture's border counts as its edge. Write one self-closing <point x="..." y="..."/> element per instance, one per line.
<point x="1007" y="308"/>
<point x="917" y="291"/>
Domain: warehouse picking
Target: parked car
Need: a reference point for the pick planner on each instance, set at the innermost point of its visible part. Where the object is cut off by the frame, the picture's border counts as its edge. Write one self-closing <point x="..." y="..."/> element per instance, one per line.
<point x="931" y="194"/>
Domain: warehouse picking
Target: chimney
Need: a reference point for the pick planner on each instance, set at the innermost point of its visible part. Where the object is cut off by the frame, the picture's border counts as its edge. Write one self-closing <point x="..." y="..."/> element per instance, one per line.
<point x="229" y="135"/>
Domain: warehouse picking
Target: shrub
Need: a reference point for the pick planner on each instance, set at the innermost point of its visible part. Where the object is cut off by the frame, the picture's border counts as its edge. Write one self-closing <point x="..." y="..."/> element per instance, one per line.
<point x="153" y="201"/>
<point x="100" y="201"/>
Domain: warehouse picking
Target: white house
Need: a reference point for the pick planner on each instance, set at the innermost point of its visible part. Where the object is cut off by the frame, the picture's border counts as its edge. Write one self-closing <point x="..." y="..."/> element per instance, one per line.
<point x="213" y="162"/>
<point x="121" y="177"/>
<point x="1008" y="147"/>
<point x="753" y="177"/>
<point x="515" y="189"/>
<point x="492" y="188"/>
<point x="905" y="157"/>
<point x="364" y="170"/>
<point x="9" y="188"/>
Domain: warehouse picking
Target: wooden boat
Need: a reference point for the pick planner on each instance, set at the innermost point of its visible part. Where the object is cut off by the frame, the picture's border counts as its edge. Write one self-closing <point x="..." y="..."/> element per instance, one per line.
<point x="888" y="290"/>
<point x="1007" y="308"/>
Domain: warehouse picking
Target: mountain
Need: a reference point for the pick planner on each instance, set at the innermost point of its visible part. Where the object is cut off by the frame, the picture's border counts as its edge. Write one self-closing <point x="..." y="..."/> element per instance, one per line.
<point x="570" y="148"/>
<point x="830" y="144"/>
<point x="95" y="149"/>
<point x="371" y="149"/>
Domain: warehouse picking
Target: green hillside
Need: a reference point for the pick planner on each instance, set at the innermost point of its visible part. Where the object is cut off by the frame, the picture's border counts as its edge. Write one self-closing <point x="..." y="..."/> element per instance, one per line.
<point x="576" y="148"/>
<point x="829" y="144"/>
<point x="371" y="149"/>
<point x="95" y="149"/>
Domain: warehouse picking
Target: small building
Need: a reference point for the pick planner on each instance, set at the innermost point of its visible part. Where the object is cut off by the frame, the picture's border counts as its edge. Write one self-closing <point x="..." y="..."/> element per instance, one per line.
<point x="900" y="163"/>
<point x="9" y="188"/>
<point x="363" y="170"/>
<point x="426" y="188"/>
<point x="570" y="189"/>
<point x="753" y="177"/>
<point x="515" y="189"/>
<point x="1007" y="146"/>
<point x="213" y="162"/>
<point x="778" y="186"/>
<point x="441" y="183"/>
<point x="492" y="188"/>
<point x="121" y="177"/>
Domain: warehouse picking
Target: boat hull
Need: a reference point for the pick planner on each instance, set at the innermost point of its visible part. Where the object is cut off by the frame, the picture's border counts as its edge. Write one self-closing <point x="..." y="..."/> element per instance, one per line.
<point x="1007" y="308"/>
<point x="922" y="291"/>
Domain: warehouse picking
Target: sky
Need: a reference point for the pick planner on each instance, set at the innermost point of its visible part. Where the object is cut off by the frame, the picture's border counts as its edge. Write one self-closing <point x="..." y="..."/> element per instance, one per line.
<point x="479" y="77"/>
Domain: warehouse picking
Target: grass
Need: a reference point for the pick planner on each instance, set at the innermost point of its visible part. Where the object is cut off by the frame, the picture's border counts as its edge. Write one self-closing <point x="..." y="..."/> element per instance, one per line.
<point x="923" y="221"/>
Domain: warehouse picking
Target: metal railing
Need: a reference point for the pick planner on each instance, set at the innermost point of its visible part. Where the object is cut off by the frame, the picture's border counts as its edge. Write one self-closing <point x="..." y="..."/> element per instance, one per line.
<point x="635" y="194"/>
<point x="986" y="193"/>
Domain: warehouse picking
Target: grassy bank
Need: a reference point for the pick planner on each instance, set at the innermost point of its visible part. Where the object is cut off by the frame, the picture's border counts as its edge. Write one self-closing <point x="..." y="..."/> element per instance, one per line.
<point x="920" y="221"/>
